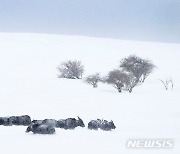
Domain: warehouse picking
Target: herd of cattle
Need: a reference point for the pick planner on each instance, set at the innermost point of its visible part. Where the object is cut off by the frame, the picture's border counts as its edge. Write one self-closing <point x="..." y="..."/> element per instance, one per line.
<point x="47" y="126"/>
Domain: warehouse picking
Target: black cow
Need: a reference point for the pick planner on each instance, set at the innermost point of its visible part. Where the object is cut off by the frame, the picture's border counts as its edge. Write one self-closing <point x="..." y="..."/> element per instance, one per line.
<point x="70" y="123"/>
<point x="93" y="124"/>
<point x="102" y="124"/>
<point x="40" y="129"/>
<point x="37" y="121"/>
<point x="50" y="122"/>
<point x="5" y="121"/>
<point x="24" y="120"/>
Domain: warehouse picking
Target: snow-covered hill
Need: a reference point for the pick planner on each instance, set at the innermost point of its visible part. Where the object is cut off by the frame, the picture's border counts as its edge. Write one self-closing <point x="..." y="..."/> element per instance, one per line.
<point x="29" y="85"/>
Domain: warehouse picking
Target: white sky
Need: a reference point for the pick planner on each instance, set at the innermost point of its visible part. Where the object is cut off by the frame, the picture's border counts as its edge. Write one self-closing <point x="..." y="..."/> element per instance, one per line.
<point x="149" y="20"/>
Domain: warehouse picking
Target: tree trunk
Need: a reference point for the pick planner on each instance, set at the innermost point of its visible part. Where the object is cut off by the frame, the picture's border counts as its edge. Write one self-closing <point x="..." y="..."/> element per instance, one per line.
<point x="119" y="90"/>
<point x="94" y="85"/>
<point x="130" y="90"/>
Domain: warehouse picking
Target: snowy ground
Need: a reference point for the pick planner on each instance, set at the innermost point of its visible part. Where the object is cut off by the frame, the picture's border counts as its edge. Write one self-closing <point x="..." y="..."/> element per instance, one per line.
<point x="29" y="85"/>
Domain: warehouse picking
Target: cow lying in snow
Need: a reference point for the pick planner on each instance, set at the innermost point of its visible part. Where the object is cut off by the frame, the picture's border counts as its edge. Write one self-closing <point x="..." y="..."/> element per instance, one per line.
<point x="48" y="122"/>
<point x="69" y="123"/>
<point x="47" y="126"/>
<point x="24" y="120"/>
<point x="102" y="124"/>
<point x="40" y="129"/>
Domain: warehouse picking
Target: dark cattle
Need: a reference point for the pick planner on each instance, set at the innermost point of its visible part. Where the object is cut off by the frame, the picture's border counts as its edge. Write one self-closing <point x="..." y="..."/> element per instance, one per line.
<point x="37" y="121"/>
<point x="80" y="122"/>
<point x="21" y="120"/>
<point x="70" y="123"/>
<point x="40" y="129"/>
<point x="5" y="121"/>
<point x="24" y="120"/>
<point x="93" y="124"/>
<point x="102" y="124"/>
<point x="50" y="122"/>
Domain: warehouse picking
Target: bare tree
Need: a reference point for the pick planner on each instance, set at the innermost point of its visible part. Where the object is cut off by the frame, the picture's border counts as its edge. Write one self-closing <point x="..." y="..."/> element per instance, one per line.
<point x="71" y="70"/>
<point x="93" y="80"/>
<point x="167" y="82"/>
<point x="140" y="68"/>
<point x="117" y="78"/>
<point x="130" y="82"/>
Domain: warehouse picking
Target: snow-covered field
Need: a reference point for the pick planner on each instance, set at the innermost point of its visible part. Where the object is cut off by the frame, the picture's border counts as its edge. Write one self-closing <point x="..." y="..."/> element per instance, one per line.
<point x="29" y="85"/>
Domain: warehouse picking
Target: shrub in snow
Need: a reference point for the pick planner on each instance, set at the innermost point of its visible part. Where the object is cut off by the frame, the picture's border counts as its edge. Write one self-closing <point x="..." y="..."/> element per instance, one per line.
<point x="140" y="68"/>
<point x="130" y="82"/>
<point x="93" y="80"/>
<point x="121" y="80"/>
<point x="71" y="70"/>
<point x="166" y="83"/>
<point x="117" y="78"/>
